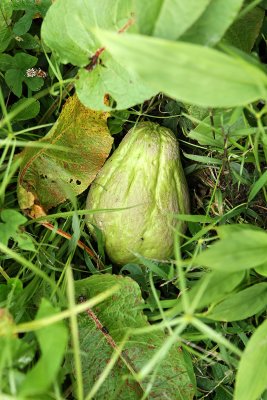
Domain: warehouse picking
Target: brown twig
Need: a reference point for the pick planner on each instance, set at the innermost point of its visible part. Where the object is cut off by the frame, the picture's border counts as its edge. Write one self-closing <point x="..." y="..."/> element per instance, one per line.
<point x="123" y="355"/>
<point x="95" y="60"/>
<point x="68" y="236"/>
<point x="129" y="23"/>
<point x="38" y="211"/>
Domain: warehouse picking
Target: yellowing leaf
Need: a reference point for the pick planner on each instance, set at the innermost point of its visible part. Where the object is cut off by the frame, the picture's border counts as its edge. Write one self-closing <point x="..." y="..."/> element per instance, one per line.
<point x="66" y="160"/>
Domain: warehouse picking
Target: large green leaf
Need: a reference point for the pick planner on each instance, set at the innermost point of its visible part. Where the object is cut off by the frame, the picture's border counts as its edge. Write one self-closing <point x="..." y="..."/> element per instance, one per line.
<point x="52" y="340"/>
<point x="94" y="87"/>
<point x="240" y="250"/>
<point x="6" y="35"/>
<point x="168" y="18"/>
<point x="251" y="379"/>
<point x="188" y="72"/>
<point x="213" y="23"/>
<point x="67" y="30"/>
<point x="244" y="31"/>
<point x="217" y="285"/>
<point x="119" y="314"/>
<point x="241" y="305"/>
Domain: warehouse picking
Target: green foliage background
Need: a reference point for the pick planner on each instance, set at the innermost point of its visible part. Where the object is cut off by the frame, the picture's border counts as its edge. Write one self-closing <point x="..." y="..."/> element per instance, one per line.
<point x="71" y="324"/>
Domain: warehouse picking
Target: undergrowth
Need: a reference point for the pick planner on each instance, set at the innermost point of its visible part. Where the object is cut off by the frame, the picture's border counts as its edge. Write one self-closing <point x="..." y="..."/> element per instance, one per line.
<point x="223" y="152"/>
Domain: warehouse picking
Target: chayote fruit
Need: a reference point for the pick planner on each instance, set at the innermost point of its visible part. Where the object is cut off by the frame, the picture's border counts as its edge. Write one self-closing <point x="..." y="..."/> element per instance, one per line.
<point x="145" y="176"/>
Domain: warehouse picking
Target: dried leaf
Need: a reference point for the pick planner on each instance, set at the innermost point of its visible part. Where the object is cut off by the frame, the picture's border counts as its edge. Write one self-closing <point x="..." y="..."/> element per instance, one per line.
<point x="66" y="160"/>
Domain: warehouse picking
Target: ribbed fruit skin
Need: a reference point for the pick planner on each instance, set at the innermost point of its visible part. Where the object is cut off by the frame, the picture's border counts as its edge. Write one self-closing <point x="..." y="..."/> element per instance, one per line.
<point x="145" y="174"/>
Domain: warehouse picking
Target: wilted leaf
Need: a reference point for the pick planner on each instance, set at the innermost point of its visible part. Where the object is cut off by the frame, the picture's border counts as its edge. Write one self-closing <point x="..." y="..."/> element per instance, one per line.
<point x="66" y="160"/>
<point x="118" y="314"/>
<point x="67" y="31"/>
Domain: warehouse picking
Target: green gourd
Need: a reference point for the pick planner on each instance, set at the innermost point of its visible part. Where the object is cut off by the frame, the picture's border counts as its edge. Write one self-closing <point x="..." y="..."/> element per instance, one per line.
<point x="144" y="179"/>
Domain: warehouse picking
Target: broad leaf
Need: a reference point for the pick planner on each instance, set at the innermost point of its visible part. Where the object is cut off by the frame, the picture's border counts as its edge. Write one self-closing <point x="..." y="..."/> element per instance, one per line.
<point x="240" y="250"/>
<point x="9" y="229"/>
<point x="213" y="23"/>
<point x="213" y="287"/>
<point x="262" y="269"/>
<point x="257" y="186"/>
<point x="188" y="72"/>
<point x="168" y="18"/>
<point x="6" y="61"/>
<point x="16" y="72"/>
<point x="52" y="340"/>
<point x="67" y="31"/>
<point x="94" y="88"/>
<point x="210" y="133"/>
<point x="66" y="160"/>
<point x="24" y="23"/>
<point x="14" y="79"/>
<point x="244" y="31"/>
<point x="118" y="315"/>
<point x="32" y="9"/>
<point x="30" y="111"/>
<point x="241" y="305"/>
<point x="6" y="35"/>
<point x="252" y="372"/>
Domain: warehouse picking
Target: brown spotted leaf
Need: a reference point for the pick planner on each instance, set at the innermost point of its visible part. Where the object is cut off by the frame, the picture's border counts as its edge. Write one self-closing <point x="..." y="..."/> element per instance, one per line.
<point x="66" y="160"/>
<point x="101" y="331"/>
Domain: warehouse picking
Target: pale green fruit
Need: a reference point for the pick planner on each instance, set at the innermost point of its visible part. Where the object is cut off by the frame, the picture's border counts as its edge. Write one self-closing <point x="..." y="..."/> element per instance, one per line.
<point x="145" y="174"/>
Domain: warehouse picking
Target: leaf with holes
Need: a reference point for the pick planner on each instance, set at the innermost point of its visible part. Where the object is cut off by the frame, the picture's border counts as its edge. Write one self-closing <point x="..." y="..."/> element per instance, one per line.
<point x="102" y="330"/>
<point x="103" y="83"/>
<point x="66" y="160"/>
